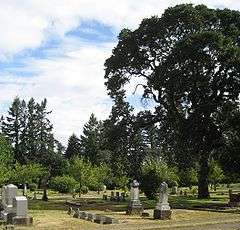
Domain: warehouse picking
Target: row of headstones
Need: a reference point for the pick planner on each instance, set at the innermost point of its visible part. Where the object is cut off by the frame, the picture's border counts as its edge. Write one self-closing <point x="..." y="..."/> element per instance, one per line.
<point x="14" y="208"/>
<point x="96" y="218"/>
<point x="119" y="197"/>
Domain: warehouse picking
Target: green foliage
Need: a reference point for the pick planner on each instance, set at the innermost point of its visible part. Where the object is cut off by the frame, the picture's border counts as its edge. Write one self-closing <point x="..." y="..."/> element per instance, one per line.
<point x="216" y="174"/>
<point x="81" y="171"/>
<point x="32" y="187"/>
<point x="188" y="177"/>
<point x="29" y="130"/>
<point x="121" y="181"/>
<point x="91" y="140"/>
<point x="123" y="139"/>
<point x="74" y="147"/>
<point x="63" y="184"/>
<point x="27" y="173"/>
<point x="6" y="160"/>
<point x="12" y="126"/>
<point x="154" y="172"/>
<point x="190" y="61"/>
<point x="6" y="155"/>
<point x="100" y="176"/>
<point x="84" y="189"/>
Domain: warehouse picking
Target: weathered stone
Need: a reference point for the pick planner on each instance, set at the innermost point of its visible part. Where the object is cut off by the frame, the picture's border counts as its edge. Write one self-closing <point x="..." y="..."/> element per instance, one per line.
<point x="21" y="220"/>
<point x="20" y="206"/>
<point x="162" y="214"/>
<point x="135" y="206"/>
<point x="70" y="211"/>
<point x="83" y="215"/>
<point x="112" y="197"/>
<point x="145" y="214"/>
<point x="76" y="213"/>
<point x="91" y="216"/>
<point x="174" y="190"/>
<point x="109" y="220"/>
<point x="123" y="197"/>
<point x="162" y="210"/>
<point x="100" y="219"/>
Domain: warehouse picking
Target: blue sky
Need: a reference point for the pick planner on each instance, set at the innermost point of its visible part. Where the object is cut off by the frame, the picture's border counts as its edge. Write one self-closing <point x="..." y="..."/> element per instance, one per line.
<point x="56" y="49"/>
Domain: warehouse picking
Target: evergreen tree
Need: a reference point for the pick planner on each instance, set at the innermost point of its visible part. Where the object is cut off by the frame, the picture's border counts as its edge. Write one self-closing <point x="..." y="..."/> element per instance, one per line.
<point x="73" y="148"/>
<point x="13" y="127"/>
<point x="124" y="140"/>
<point x="45" y="139"/>
<point x="91" y="140"/>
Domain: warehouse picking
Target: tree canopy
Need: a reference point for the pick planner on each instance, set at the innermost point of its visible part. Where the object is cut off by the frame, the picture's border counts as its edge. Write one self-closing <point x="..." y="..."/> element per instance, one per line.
<point x="188" y="61"/>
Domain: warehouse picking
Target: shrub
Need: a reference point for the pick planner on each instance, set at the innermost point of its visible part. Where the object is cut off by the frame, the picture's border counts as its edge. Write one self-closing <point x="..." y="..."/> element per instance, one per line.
<point x="32" y="187"/>
<point x="84" y="189"/>
<point x="188" y="177"/>
<point x="154" y="172"/>
<point x="63" y="184"/>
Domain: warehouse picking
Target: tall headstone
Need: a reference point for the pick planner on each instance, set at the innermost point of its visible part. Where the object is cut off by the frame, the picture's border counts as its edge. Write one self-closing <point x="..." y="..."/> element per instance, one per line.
<point x="135" y="207"/>
<point x="14" y="207"/>
<point x="8" y="193"/>
<point x="163" y="210"/>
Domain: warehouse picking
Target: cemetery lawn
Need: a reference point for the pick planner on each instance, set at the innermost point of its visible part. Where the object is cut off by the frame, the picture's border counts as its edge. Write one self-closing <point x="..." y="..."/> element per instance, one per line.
<point x="188" y="213"/>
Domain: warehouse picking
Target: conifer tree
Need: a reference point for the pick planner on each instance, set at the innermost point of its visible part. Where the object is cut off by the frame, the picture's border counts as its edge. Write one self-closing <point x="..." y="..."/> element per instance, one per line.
<point x="73" y="148"/>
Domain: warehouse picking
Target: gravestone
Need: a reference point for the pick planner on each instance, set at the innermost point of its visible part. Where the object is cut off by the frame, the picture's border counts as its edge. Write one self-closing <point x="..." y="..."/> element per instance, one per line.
<point x="163" y="210"/>
<point x="20" y="207"/>
<point x="122" y="197"/>
<point x="14" y="207"/>
<point x="117" y="196"/>
<point x="112" y="197"/>
<point x="104" y="188"/>
<point x="8" y="193"/>
<point x="135" y="207"/>
<point x="174" y="190"/>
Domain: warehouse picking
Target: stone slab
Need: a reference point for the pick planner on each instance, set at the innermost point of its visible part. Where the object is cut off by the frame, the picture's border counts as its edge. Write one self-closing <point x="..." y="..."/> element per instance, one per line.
<point x="134" y="210"/>
<point x="162" y="214"/>
<point x="19" y="220"/>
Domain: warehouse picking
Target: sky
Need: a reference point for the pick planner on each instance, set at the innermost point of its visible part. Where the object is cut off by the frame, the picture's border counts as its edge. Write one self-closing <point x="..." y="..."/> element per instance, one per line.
<point x="56" y="49"/>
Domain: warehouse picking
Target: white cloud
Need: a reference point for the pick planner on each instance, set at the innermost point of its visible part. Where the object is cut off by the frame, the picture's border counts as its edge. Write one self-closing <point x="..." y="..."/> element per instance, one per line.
<point x="73" y="85"/>
<point x="71" y="79"/>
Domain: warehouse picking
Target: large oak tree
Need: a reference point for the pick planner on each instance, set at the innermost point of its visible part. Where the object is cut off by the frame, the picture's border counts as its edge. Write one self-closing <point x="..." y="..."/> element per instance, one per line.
<point x="188" y="61"/>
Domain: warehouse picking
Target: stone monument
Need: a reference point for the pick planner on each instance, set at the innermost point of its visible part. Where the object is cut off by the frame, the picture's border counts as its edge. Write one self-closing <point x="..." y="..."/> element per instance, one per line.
<point x="14" y="207"/>
<point x="163" y="210"/>
<point x="135" y="207"/>
<point x="8" y="193"/>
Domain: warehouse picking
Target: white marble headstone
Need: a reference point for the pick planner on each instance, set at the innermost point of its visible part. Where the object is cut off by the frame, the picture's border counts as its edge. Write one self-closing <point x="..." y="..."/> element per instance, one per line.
<point x="10" y="193"/>
<point x="20" y="206"/>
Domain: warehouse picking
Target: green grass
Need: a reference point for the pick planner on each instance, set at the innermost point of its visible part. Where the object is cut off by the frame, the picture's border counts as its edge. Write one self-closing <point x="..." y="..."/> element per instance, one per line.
<point x="53" y="214"/>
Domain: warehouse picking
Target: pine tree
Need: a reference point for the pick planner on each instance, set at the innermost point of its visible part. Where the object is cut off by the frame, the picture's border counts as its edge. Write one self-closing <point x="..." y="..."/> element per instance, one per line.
<point x="124" y="140"/>
<point x="73" y="148"/>
<point x="45" y="139"/>
<point x="13" y="127"/>
<point x="91" y="140"/>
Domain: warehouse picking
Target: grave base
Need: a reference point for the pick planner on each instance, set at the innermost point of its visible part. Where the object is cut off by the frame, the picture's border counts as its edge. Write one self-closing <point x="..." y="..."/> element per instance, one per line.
<point x="19" y="220"/>
<point x="162" y="214"/>
<point x="134" y="210"/>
